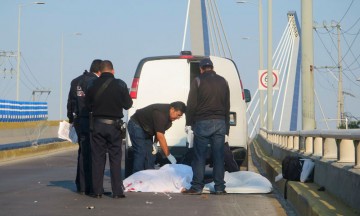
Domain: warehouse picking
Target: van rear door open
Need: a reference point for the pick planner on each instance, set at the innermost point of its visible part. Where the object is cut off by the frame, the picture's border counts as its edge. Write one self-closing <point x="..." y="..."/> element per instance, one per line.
<point x="167" y="79"/>
<point x="164" y="81"/>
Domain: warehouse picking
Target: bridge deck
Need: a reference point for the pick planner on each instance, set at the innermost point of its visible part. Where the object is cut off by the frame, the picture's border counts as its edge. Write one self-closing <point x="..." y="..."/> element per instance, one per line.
<point x="43" y="184"/>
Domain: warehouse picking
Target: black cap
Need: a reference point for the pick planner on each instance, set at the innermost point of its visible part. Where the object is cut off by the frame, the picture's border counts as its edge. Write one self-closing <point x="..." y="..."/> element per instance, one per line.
<point x="206" y="62"/>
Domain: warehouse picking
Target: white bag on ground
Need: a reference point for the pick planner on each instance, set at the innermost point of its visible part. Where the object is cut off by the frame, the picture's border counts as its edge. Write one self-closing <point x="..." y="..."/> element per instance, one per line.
<point x="307" y="168"/>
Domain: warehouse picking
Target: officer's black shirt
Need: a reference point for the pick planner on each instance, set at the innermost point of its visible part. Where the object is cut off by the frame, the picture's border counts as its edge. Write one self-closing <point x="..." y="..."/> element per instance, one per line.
<point x="112" y="101"/>
<point x="153" y="118"/>
<point x="72" y="108"/>
<point x="81" y="88"/>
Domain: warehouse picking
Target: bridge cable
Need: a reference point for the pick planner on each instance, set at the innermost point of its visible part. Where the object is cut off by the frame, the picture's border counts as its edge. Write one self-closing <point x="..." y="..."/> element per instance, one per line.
<point x="211" y="23"/>
<point x="186" y="25"/>
<point x="282" y="72"/>
<point x="223" y="30"/>
<point x="321" y="109"/>
<point x="222" y="50"/>
<point x="281" y="60"/>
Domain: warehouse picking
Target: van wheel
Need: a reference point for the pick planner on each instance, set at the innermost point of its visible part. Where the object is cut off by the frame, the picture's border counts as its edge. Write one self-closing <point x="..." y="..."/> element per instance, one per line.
<point x="239" y="155"/>
<point x="129" y="162"/>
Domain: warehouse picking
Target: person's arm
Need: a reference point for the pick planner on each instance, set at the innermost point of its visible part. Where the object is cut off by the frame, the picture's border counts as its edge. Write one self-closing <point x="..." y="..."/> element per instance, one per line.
<point x="163" y="144"/>
<point x="191" y="103"/>
<point x="127" y="100"/>
<point x="227" y="116"/>
<point x="71" y="103"/>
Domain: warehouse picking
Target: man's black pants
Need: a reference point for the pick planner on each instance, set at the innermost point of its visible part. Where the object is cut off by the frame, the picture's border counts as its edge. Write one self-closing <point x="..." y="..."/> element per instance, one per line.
<point x="85" y="179"/>
<point x="106" y="138"/>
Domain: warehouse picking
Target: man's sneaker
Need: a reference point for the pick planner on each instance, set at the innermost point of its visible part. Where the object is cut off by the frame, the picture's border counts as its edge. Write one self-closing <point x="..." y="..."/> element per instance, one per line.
<point x="191" y="191"/>
<point x="218" y="192"/>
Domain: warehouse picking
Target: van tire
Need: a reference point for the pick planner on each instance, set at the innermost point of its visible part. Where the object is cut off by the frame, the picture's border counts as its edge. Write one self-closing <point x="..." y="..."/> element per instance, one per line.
<point x="239" y="155"/>
<point x="129" y="162"/>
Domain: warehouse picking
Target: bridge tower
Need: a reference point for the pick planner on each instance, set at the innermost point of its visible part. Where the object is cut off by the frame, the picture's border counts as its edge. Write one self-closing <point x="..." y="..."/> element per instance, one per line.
<point x="291" y="98"/>
<point x="307" y="65"/>
<point x="198" y="28"/>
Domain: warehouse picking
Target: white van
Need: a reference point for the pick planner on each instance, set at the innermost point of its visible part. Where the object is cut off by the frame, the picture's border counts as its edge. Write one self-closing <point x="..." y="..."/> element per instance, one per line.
<point x="166" y="79"/>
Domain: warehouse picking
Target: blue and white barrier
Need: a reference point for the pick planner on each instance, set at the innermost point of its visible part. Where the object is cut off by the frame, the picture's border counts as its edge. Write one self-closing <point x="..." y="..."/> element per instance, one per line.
<point x="22" y="111"/>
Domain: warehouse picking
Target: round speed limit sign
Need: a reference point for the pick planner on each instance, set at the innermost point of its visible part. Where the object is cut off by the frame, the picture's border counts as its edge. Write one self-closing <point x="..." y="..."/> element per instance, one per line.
<point x="263" y="79"/>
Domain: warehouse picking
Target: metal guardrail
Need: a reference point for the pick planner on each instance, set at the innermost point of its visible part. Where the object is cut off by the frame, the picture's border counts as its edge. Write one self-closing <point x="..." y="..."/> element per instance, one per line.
<point x="22" y="111"/>
<point x="340" y="145"/>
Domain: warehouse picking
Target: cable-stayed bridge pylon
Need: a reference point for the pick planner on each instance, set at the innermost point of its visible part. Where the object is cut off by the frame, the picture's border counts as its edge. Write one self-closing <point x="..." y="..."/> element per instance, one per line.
<point x="287" y="60"/>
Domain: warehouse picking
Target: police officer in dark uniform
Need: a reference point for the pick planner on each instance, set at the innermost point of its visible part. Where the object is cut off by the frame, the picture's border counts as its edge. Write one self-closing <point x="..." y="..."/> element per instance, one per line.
<point x="73" y="116"/>
<point x="106" y="98"/>
<point x="85" y="156"/>
<point x="80" y="115"/>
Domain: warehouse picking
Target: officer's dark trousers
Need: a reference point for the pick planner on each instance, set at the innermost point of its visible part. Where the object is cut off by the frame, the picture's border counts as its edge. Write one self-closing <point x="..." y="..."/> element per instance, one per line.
<point x="106" y="138"/>
<point x="85" y="157"/>
<point x="76" y="125"/>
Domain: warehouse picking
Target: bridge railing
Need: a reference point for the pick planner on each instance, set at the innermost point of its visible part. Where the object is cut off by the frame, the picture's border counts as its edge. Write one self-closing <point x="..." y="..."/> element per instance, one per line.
<point x="340" y="145"/>
<point x="22" y="111"/>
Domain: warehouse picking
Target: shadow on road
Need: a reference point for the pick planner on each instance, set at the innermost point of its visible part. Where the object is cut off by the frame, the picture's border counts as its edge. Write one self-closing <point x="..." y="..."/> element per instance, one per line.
<point x="67" y="184"/>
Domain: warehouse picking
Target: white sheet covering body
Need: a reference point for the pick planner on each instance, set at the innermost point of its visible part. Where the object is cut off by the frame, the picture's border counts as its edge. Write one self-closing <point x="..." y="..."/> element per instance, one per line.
<point x="172" y="178"/>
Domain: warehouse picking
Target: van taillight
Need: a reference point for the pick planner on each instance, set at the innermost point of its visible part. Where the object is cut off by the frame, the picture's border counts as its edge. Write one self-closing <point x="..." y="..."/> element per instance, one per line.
<point x="242" y="90"/>
<point x="134" y="88"/>
<point x="186" y="57"/>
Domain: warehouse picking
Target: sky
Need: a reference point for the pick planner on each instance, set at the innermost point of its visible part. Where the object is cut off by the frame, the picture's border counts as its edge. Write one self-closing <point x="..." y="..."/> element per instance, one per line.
<point x="125" y="31"/>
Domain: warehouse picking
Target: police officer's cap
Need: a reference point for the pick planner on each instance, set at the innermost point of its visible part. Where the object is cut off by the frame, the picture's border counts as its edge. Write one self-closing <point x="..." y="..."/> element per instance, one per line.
<point x="206" y="62"/>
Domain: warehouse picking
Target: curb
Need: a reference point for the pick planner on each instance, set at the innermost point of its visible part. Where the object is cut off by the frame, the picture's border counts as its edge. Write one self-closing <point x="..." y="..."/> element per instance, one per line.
<point x="35" y="150"/>
<point x="304" y="197"/>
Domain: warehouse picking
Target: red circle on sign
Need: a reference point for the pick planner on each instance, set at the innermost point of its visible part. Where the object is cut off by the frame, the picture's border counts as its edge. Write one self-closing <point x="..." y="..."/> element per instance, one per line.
<point x="265" y="73"/>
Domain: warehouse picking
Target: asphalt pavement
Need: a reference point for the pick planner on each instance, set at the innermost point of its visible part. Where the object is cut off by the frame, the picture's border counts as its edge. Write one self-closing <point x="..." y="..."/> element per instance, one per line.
<point x="44" y="185"/>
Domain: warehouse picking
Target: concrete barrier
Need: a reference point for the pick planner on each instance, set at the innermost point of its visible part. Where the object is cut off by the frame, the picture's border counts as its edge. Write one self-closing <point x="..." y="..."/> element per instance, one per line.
<point x="19" y="140"/>
<point x="32" y="134"/>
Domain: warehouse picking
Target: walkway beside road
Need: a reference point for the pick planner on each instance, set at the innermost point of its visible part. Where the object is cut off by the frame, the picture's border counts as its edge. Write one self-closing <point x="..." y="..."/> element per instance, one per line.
<point x="27" y="139"/>
<point x="306" y="198"/>
<point x="24" y="134"/>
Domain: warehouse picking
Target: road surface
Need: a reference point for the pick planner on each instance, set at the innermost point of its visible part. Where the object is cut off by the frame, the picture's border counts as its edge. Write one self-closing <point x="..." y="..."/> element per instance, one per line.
<point x="45" y="186"/>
